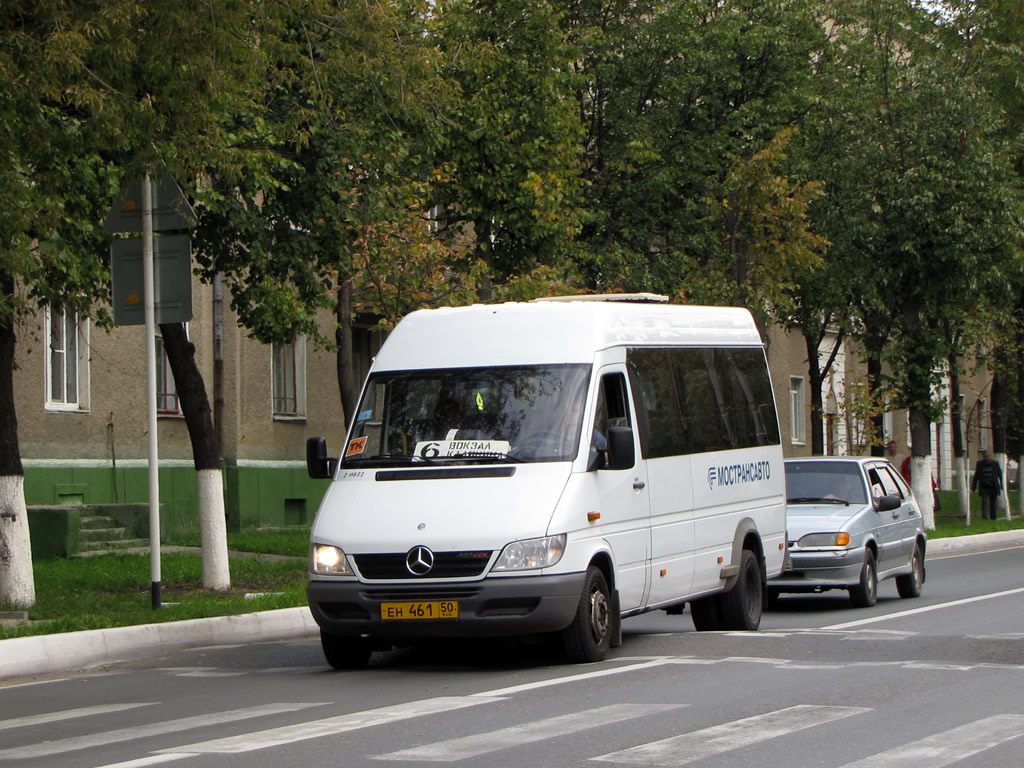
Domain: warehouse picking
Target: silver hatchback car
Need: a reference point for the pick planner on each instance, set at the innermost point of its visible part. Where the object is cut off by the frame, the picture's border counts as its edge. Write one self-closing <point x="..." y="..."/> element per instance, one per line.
<point x="852" y="522"/>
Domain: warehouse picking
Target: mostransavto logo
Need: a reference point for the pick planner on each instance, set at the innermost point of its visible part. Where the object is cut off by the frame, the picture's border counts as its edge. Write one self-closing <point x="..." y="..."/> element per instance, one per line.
<point x="734" y="474"/>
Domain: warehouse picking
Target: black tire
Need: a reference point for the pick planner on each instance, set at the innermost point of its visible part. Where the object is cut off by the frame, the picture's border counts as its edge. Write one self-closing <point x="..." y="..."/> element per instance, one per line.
<point x="345" y="652"/>
<point x="909" y="584"/>
<point x="706" y="614"/>
<point x="741" y="606"/>
<point x="589" y="636"/>
<point x="865" y="594"/>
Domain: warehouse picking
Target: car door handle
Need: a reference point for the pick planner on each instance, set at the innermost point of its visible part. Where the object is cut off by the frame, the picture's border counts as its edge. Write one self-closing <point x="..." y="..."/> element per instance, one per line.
<point x="639" y="485"/>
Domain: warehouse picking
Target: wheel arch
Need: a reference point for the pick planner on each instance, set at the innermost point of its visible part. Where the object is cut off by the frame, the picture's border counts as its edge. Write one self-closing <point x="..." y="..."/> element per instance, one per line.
<point x="746" y="536"/>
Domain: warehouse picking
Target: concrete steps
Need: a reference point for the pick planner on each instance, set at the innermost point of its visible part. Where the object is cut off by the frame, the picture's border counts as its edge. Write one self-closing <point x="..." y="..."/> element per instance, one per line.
<point x="103" y="533"/>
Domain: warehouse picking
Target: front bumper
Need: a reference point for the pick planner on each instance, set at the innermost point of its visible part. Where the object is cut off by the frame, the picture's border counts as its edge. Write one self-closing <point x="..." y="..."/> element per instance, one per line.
<point x="820" y="569"/>
<point x="492" y="607"/>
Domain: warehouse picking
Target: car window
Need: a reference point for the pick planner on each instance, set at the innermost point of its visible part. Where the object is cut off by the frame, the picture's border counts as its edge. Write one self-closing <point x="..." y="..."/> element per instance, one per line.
<point x="887" y="481"/>
<point x="901" y="485"/>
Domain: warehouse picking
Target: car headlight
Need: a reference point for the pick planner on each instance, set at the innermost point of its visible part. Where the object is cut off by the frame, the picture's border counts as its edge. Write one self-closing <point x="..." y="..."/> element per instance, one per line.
<point x="325" y="560"/>
<point x="824" y="540"/>
<point x="531" y="553"/>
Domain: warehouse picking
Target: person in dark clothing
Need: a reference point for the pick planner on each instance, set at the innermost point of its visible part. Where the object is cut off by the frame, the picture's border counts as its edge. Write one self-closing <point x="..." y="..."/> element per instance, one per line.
<point x="988" y="482"/>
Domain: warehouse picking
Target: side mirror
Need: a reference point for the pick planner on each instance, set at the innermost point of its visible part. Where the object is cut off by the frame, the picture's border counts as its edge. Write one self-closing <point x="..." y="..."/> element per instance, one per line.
<point x="319" y="466"/>
<point x="621" y="454"/>
<point x="888" y="503"/>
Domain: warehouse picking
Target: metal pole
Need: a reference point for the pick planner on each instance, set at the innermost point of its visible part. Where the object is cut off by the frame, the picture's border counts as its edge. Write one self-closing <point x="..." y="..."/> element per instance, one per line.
<point x="149" y="308"/>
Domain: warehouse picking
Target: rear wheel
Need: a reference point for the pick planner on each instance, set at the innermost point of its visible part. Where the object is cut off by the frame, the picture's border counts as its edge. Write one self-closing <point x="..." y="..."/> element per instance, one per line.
<point x="345" y="652"/>
<point x="706" y="613"/>
<point x="589" y="636"/>
<point x="909" y="584"/>
<point x="741" y="606"/>
<point x="865" y="594"/>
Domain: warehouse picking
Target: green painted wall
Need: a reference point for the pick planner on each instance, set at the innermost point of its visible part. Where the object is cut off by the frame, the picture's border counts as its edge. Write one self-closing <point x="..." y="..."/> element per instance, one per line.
<point x="256" y="496"/>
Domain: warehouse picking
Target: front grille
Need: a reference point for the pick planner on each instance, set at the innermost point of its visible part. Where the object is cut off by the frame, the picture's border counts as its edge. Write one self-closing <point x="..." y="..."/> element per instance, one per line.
<point x="447" y="565"/>
<point x="419" y="594"/>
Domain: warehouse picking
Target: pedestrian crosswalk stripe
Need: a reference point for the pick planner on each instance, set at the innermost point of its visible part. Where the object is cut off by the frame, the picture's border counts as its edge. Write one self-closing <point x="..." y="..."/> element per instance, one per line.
<point x="59" y="746"/>
<point x="697" y="745"/>
<point x="949" y="746"/>
<point x="68" y="714"/>
<point x="275" y="737"/>
<point x="514" y="736"/>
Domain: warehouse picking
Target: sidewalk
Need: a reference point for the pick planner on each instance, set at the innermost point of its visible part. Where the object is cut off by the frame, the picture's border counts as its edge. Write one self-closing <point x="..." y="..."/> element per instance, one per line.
<point x="46" y="654"/>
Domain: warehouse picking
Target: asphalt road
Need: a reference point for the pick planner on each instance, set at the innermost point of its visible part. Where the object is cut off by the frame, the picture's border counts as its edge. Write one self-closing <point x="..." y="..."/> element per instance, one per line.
<point x="918" y="683"/>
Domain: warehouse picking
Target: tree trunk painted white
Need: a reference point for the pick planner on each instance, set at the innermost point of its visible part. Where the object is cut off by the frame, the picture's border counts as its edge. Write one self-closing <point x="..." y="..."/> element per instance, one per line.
<point x="213" y="529"/>
<point x="17" y="581"/>
<point x="921" y="485"/>
<point x="1002" y="504"/>
<point x="963" y="488"/>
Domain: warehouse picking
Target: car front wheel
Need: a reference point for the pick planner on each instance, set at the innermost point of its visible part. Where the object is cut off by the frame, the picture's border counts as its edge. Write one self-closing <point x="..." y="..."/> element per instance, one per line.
<point x="909" y="584"/>
<point x="865" y="594"/>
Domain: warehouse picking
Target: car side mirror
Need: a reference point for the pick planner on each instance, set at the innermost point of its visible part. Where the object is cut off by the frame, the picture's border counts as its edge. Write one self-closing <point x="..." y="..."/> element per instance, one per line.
<point x="621" y="454"/>
<point x="887" y="503"/>
<point x="318" y="464"/>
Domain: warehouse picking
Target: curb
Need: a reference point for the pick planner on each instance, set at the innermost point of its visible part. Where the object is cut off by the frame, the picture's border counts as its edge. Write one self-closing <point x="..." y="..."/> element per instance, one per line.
<point x="45" y="654"/>
<point x="42" y="654"/>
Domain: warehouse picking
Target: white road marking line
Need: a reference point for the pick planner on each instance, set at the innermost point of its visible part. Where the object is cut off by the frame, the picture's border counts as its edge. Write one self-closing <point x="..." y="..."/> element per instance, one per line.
<point x="59" y="746"/>
<point x="144" y="762"/>
<point x="925" y="609"/>
<point x="655" y="662"/>
<point x="949" y="746"/>
<point x="517" y="735"/>
<point x="68" y="714"/>
<point x="697" y="745"/>
<point x="331" y="726"/>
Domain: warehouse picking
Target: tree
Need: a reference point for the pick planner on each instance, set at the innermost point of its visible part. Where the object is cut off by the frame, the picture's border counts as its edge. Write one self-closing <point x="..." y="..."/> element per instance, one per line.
<point x="350" y="119"/>
<point x="512" y="135"/>
<point x="918" y="187"/>
<point x="99" y="91"/>
<point x="682" y="103"/>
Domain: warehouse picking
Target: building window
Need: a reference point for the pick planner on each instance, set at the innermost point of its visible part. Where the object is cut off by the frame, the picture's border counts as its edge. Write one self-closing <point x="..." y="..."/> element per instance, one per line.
<point x="167" y="401"/>
<point x="797" y="411"/>
<point x="289" y="363"/>
<point x="67" y="361"/>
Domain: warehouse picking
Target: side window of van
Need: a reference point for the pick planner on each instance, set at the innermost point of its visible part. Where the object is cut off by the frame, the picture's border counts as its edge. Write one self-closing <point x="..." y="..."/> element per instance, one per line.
<point x="693" y="400"/>
<point x="654" y="387"/>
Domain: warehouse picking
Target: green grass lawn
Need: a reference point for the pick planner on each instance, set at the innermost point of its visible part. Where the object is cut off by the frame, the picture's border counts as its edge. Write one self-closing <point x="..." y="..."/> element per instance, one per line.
<point x="114" y="590"/>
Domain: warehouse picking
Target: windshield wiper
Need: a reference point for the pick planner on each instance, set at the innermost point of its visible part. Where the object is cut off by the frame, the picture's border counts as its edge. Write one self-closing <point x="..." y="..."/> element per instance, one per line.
<point x="384" y="459"/>
<point x="816" y="500"/>
<point x="478" y="458"/>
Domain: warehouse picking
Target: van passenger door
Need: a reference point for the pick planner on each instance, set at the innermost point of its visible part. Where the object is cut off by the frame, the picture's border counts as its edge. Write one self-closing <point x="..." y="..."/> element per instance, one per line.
<point x="623" y="494"/>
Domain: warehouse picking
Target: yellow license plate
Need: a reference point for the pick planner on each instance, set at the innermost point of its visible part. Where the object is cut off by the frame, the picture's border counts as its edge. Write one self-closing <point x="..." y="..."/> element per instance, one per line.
<point x="435" y="609"/>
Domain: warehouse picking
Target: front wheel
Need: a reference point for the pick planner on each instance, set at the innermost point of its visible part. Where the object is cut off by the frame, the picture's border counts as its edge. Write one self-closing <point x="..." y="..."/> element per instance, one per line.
<point x="345" y="652"/>
<point x="589" y="636"/>
<point x="909" y="584"/>
<point x="865" y="594"/>
<point x="741" y="606"/>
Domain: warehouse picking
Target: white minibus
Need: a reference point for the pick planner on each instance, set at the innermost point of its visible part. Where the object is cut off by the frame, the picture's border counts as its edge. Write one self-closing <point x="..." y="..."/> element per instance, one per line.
<point x="551" y="467"/>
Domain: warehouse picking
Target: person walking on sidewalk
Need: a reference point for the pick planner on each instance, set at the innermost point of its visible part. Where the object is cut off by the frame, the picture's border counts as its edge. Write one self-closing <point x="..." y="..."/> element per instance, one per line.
<point x="988" y="482"/>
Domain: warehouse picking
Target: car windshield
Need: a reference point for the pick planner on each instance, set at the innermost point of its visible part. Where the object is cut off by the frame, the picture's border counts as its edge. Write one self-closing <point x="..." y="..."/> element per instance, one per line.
<point x="823" y="482"/>
<point x="469" y="415"/>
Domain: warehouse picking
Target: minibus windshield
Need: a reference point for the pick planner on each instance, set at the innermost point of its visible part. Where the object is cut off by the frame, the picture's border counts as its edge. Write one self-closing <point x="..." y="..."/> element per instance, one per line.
<point x="469" y="415"/>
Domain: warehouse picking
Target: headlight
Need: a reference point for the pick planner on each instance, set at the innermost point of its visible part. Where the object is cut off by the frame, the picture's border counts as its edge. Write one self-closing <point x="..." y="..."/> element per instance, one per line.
<point x="326" y="560"/>
<point x="531" y="553"/>
<point x="824" y="540"/>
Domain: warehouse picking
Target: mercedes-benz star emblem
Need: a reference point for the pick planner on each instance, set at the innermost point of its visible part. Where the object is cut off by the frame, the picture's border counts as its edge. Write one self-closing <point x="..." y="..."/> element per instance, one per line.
<point x="419" y="561"/>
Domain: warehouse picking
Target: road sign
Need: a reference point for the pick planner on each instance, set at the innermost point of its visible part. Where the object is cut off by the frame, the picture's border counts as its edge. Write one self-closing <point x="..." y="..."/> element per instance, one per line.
<point x="170" y="208"/>
<point x="172" y="280"/>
